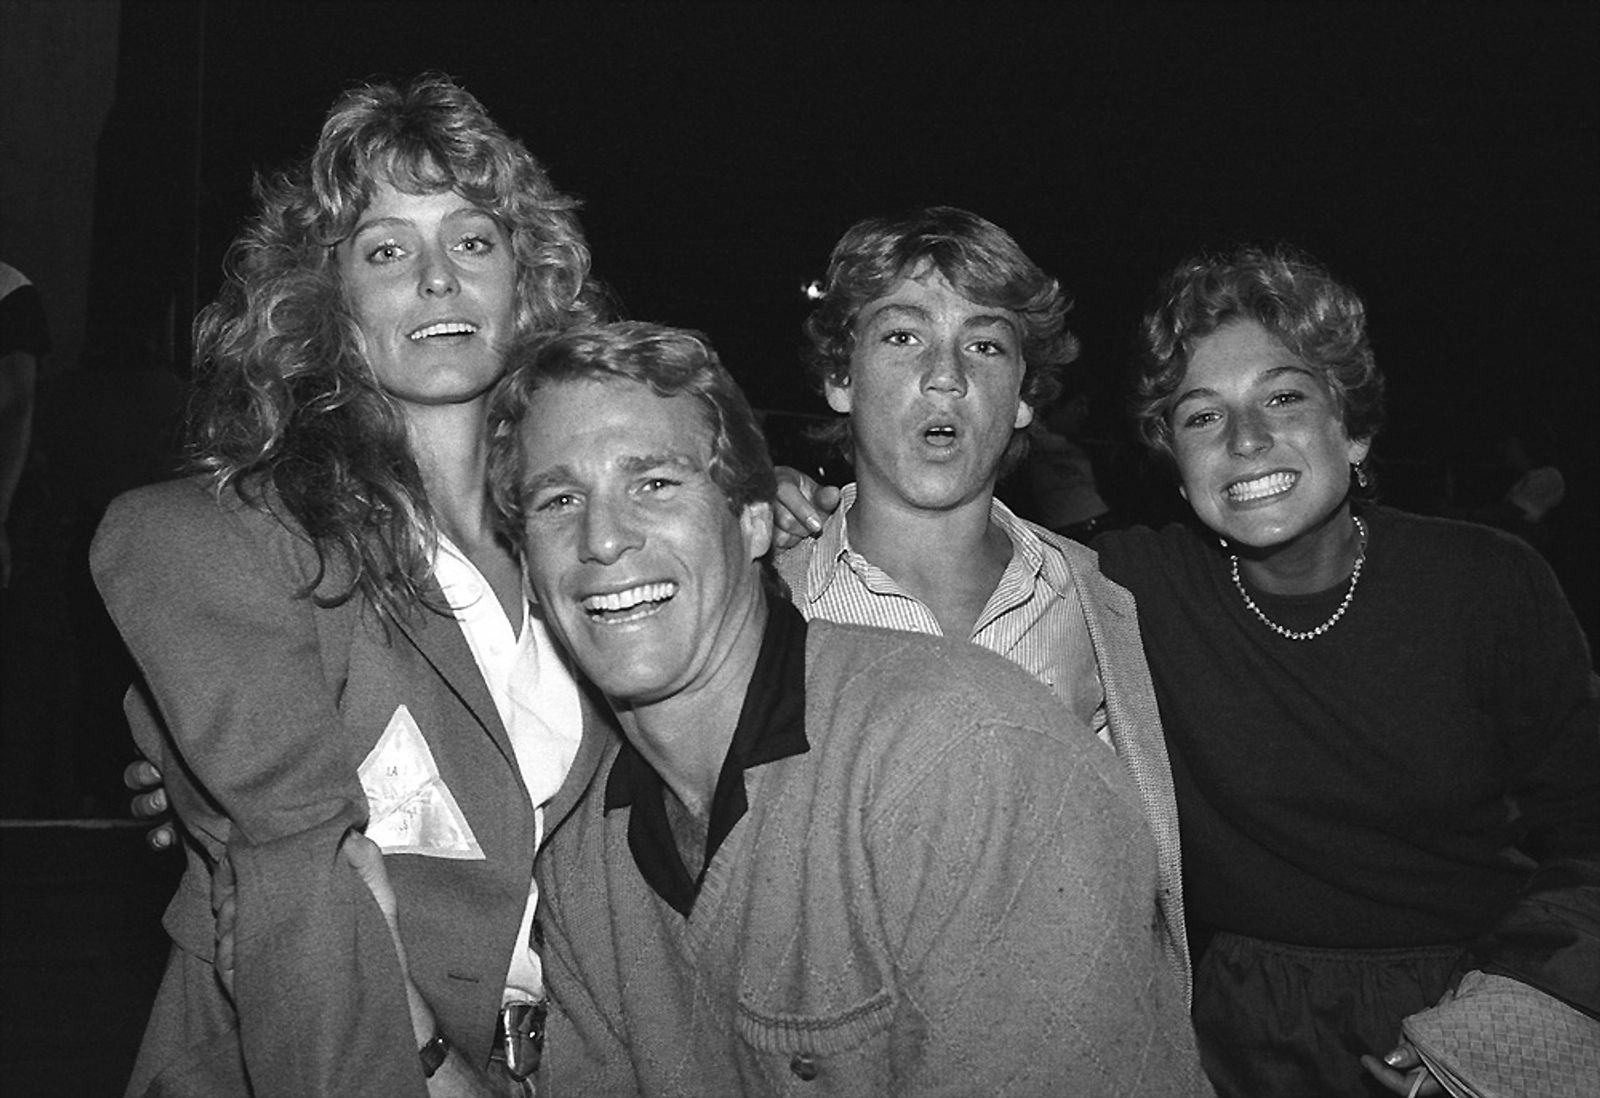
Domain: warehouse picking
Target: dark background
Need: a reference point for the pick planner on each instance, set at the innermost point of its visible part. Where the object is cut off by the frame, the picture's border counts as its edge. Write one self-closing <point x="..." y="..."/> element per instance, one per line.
<point x="1440" y="156"/>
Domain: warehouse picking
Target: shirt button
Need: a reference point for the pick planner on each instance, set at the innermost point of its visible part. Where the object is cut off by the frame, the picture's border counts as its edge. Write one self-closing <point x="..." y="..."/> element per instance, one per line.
<point x="804" y="1067"/>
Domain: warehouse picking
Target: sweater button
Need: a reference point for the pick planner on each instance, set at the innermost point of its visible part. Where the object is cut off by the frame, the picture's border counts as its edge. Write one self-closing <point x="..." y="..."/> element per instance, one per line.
<point x="804" y="1067"/>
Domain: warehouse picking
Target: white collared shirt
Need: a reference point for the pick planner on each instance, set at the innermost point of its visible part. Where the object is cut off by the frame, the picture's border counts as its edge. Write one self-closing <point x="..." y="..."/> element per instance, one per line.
<point x="537" y="698"/>
<point x="1034" y="617"/>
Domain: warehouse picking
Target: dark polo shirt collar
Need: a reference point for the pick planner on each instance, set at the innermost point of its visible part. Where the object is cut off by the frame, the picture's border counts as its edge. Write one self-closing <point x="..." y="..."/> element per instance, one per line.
<point x="772" y="726"/>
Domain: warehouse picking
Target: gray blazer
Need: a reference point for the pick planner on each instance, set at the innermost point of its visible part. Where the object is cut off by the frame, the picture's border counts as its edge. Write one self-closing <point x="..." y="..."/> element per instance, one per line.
<point x="259" y="706"/>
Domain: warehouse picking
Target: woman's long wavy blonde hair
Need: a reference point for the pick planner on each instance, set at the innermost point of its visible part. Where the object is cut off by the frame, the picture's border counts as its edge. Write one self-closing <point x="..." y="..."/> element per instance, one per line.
<point x="287" y="411"/>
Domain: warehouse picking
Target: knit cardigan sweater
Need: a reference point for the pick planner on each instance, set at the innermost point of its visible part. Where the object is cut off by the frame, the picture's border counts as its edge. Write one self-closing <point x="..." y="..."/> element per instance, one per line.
<point x="949" y="893"/>
<point x="1067" y="575"/>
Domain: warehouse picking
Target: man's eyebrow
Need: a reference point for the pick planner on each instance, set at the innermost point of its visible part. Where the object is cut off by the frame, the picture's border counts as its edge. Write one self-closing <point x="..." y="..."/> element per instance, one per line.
<point x="895" y="309"/>
<point x="985" y="320"/>
<point x="532" y="485"/>
<point x="633" y="465"/>
<point x="675" y="458"/>
<point x="899" y="309"/>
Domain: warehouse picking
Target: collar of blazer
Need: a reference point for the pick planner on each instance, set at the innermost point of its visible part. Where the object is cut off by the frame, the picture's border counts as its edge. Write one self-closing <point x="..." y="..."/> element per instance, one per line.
<point x="437" y="637"/>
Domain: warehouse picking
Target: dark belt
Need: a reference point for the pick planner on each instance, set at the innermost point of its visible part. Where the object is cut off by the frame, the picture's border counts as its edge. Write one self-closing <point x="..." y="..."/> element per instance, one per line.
<point x="519" y="1037"/>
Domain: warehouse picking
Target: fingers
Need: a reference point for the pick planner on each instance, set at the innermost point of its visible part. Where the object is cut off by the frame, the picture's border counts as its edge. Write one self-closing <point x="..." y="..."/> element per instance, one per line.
<point x="227" y="919"/>
<point x="1401" y="1071"/>
<point x="149" y="802"/>
<point x="141" y="774"/>
<point x="147" y="806"/>
<point x="221" y="884"/>
<point x="161" y="837"/>
<point x="366" y="859"/>
<point x="1403" y="1057"/>
<point x="363" y="855"/>
<point x="795" y="515"/>
<point x="224" y="906"/>
<point x="789" y="476"/>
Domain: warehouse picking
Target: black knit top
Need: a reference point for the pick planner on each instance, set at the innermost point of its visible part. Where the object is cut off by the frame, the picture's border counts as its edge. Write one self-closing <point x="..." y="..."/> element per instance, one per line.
<point x="1387" y="783"/>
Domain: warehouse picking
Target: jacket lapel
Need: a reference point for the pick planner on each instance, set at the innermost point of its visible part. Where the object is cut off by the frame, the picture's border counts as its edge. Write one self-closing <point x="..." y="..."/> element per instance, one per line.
<point x="599" y="732"/>
<point x="438" y="639"/>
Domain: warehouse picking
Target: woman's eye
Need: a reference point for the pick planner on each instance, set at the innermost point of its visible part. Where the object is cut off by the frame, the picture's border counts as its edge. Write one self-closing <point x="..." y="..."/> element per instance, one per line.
<point x="899" y="339"/>
<point x="556" y="503"/>
<point x="1290" y="397"/>
<point x="387" y="252"/>
<point x="989" y="347"/>
<point x="475" y="244"/>
<point x="659" y="484"/>
<point x="1199" y="419"/>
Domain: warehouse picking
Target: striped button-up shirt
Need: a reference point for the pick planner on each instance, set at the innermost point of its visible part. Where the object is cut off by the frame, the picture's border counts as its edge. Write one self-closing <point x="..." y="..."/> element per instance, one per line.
<point x="1034" y="617"/>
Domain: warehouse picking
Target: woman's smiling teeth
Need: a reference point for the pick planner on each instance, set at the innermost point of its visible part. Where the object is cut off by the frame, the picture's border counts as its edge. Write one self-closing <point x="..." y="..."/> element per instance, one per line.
<point x="619" y="607"/>
<point x="1270" y="485"/>
<point x="446" y="328"/>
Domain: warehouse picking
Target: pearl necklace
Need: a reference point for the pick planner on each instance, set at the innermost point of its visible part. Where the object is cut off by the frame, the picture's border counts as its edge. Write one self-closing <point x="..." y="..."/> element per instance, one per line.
<point x="1307" y="634"/>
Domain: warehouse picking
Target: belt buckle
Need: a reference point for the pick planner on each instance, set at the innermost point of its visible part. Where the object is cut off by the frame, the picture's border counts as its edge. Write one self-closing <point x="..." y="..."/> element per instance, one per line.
<point x="523" y="1025"/>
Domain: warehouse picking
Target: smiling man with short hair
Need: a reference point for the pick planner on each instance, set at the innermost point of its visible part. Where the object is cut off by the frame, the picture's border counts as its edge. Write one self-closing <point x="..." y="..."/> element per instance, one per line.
<point x="861" y="861"/>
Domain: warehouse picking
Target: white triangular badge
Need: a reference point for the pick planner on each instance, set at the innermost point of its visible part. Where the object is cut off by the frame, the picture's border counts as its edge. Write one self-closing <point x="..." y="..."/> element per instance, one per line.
<point x="411" y="810"/>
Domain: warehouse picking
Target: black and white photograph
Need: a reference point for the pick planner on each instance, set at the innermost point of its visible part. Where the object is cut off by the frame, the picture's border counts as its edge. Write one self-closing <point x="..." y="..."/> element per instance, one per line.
<point x="685" y="549"/>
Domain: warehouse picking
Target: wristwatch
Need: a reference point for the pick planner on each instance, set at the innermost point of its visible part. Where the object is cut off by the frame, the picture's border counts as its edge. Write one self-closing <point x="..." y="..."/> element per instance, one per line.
<point x="434" y="1053"/>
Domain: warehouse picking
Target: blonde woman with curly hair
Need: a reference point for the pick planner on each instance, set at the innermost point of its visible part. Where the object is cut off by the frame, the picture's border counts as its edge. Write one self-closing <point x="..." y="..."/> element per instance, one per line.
<point x="332" y="634"/>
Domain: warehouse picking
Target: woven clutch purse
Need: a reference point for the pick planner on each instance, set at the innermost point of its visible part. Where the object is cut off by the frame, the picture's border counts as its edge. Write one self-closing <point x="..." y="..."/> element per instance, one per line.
<point x="1500" y="1038"/>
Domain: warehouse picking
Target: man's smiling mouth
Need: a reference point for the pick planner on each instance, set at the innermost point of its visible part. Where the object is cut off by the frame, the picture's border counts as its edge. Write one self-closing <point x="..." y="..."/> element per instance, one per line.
<point x="620" y="607"/>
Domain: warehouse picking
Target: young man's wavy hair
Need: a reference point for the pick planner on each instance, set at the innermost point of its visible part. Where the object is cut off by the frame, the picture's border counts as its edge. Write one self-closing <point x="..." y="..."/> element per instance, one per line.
<point x="288" y="413"/>
<point x="981" y="262"/>
<point x="1318" y="319"/>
